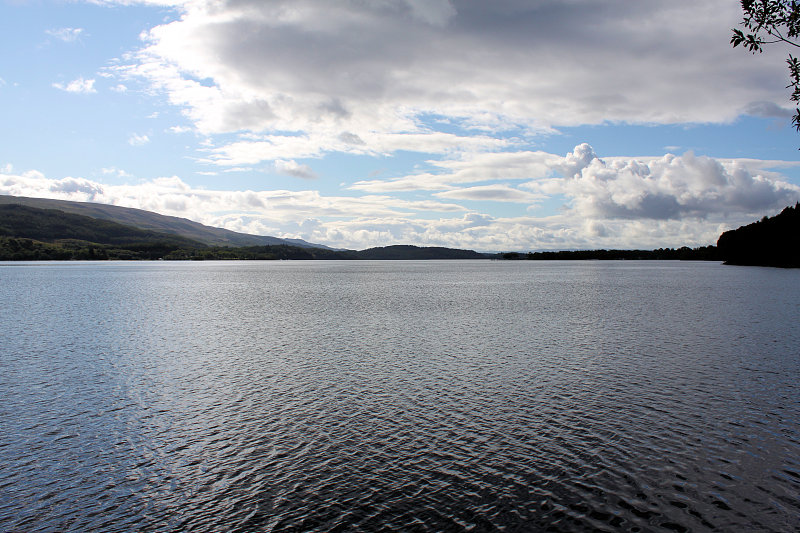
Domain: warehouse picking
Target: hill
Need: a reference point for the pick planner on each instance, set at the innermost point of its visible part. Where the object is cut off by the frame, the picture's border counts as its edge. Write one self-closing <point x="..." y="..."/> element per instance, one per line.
<point x="147" y="220"/>
<point x="417" y="252"/>
<point x="772" y="241"/>
<point x="52" y="225"/>
<point x="30" y="234"/>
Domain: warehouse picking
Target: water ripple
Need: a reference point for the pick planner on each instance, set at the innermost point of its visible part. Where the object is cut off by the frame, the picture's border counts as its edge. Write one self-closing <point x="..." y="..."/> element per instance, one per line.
<point x="431" y="396"/>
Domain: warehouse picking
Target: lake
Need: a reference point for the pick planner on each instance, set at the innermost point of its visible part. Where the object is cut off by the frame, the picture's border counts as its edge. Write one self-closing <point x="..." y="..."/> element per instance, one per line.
<point x="384" y="396"/>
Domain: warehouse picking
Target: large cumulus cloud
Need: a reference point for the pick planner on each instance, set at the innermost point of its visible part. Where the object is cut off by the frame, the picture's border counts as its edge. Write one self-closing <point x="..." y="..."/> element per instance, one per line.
<point x="371" y="70"/>
<point x="669" y="187"/>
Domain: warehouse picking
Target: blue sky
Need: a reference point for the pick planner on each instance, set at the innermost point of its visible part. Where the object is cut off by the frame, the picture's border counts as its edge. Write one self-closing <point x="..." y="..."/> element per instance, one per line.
<point x="510" y="125"/>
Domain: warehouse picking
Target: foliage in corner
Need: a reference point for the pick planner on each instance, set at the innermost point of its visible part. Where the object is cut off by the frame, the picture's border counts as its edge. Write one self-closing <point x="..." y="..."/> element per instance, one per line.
<point x="771" y="22"/>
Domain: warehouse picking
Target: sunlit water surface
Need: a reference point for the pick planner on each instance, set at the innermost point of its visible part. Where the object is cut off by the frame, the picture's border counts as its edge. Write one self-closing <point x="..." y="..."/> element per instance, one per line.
<point x="460" y="395"/>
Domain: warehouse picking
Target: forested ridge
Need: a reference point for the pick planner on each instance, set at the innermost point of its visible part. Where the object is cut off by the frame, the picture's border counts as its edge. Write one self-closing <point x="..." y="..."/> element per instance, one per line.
<point x="772" y="241"/>
<point x="52" y="225"/>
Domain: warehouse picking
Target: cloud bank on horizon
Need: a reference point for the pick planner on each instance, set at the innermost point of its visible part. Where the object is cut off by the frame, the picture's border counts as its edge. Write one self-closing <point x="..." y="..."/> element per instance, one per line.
<point x="457" y="123"/>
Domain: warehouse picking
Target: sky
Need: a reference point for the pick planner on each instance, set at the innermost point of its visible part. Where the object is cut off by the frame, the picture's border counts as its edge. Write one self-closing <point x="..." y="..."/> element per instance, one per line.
<point x="493" y="126"/>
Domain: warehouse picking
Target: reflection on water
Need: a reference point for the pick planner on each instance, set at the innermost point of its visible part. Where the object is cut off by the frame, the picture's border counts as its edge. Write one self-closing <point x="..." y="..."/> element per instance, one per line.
<point x="434" y="396"/>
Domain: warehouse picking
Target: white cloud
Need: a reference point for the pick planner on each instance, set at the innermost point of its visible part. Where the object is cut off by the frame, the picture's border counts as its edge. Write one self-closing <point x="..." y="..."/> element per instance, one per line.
<point x="664" y="188"/>
<point x="77" y="86"/>
<point x="493" y="193"/>
<point x="77" y="186"/>
<point x="293" y="168"/>
<point x="138" y="140"/>
<point x="68" y="35"/>
<point x="359" y="77"/>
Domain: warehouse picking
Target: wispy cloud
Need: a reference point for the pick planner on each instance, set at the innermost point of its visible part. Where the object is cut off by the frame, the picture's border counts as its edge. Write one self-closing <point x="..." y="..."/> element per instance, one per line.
<point x="138" y="140"/>
<point x="115" y="172"/>
<point x="275" y="147"/>
<point x="67" y="35"/>
<point x="77" y="86"/>
<point x="492" y="193"/>
<point x="469" y="168"/>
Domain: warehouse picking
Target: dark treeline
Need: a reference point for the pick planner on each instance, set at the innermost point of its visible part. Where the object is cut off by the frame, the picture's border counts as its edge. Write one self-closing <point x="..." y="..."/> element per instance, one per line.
<point x="18" y="249"/>
<point x="293" y="252"/>
<point x="23" y="249"/>
<point x="247" y="253"/>
<point x="704" y="253"/>
<point x="772" y="241"/>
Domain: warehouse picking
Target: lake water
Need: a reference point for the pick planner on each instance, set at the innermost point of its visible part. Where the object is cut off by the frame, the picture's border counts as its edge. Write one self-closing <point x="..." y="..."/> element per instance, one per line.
<point x="429" y="396"/>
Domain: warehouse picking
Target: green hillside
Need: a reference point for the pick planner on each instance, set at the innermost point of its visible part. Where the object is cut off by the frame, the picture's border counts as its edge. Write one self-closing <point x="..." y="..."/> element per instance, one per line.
<point x="154" y="222"/>
<point x="50" y="225"/>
